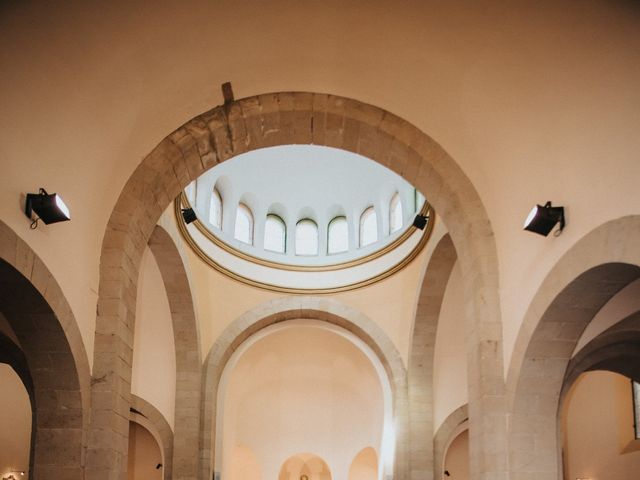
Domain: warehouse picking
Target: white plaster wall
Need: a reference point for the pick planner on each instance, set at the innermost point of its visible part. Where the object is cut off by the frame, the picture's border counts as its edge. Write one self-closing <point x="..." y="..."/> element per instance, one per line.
<point x="301" y="390"/>
<point x="154" y="356"/>
<point x="598" y="428"/>
<point x="535" y="101"/>
<point x="15" y="423"/>
<point x="450" y="358"/>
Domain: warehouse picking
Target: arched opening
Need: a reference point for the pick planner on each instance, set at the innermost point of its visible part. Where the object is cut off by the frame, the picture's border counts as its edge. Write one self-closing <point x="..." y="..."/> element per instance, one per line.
<point x="338" y="235"/>
<point x="215" y="208"/>
<point x="310" y="382"/>
<point x="364" y="465"/>
<point x="456" y="460"/>
<point x="545" y="362"/>
<point x="304" y="466"/>
<point x="598" y="428"/>
<point x="275" y="234"/>
<point x="395" y="213"/>
<point x="244" y="224"/>
<point x="306" y="237"/>
<point x="59" y="375"/>
<point x="298" y="118"/>
<point x="368" y="227"/>
<point x="145" y="456"/>
<point x="15" y="416"/>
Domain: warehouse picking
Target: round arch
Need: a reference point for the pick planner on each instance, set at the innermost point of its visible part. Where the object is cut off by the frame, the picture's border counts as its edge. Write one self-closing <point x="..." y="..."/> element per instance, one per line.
<point x="151" y="418"/>
<point x="295" y="308"/>
<point x="37" y="311"/>
<point x="597" y="267"/>
<point x="295" y="118"/>
<point x="457" y="421"/>
<point x="421" y="358"/>
<point x="187" y="346"/>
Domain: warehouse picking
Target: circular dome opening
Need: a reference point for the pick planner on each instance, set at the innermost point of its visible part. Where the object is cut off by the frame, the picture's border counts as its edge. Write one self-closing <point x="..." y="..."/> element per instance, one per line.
<point x="301" y="208"/>
<point x="304" y="204"/>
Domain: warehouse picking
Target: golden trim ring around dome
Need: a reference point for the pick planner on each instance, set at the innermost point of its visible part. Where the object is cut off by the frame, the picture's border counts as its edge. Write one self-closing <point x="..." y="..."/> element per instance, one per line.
<point x="182" y="202"/>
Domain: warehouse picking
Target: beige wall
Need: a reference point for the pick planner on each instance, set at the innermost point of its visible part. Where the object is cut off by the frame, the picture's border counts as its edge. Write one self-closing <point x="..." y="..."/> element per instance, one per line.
<point x="15" y="422"/>
<point x="450" y="358"/>
<point x="364" y="466"/>
<point x="301" y="389"/>
<point x="456" y="460"/>
<point x="154" y="356"/>
<point x="527" y="97"/>
<point x="598" y="428"/>
<point x="144" y="454"/>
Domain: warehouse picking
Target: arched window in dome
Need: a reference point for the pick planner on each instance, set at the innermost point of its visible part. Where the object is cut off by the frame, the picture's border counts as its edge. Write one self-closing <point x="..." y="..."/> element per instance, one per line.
<point x="306" y="237"/>
<point x="368" y="227"/>
<point x="244" y="224"/>
<point x="190" y="192"/>
<point x="275" y="234"/>
<point x="338" y="235"/>
<point x="215" y="209"/>
<point x="395" y="213"/>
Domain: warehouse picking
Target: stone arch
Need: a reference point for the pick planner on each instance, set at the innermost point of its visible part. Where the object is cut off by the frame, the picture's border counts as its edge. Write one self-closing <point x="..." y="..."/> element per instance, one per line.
<point x="421" y="358"/>
<point x="280" y="119"/>
<point x="289" y="308"/>
<point x="12" y="355"/>
<point x="584" y="279"/>
<point x="37" y="311"/>
<point x="187" y="345"/>
<point x="159" y="428"/>
<point x="617" y="350"/>
<point x="450" y="428"/>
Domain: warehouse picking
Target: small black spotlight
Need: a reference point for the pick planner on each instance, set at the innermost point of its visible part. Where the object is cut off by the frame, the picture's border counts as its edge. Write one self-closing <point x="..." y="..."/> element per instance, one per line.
<point x="420" y="221"/>
<point x="158" y="466"/>
<point x="189" y="215"/>
<point x="48" y="208"/>
<point x="543" y="218"/>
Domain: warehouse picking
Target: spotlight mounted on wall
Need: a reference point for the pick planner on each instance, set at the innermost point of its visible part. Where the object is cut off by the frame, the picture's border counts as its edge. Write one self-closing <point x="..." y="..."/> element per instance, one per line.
<point x="48" y="207"/>
<point x="420" y="221"/>
<point x="543" y="218"/>
<point x="189" y="215"/>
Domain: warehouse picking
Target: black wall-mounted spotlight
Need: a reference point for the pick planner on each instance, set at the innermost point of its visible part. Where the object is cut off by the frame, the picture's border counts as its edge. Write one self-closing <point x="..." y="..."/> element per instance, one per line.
<point x="543" y="218"/>
<point x="420" y="221"/>
<point x="189" y="215"/>
<point x="48" y="207"/>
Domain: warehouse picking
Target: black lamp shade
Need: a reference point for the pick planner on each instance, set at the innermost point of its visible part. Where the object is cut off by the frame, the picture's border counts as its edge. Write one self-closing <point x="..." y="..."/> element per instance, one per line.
<point x="543" y="218"/>
<point x="189" y="215"/>
<point x="420" y="221"/>
<point x="48" y="207"/>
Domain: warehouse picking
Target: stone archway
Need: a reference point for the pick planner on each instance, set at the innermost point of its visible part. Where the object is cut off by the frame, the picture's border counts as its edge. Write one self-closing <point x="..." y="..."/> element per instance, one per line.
<point x="155" y="422"/>
<point x="617" y="350"/>
<point x="187" y="345"/>
<point x="37" y="311"/>
<point x="280" y="119"/>
<point x="421" y="358"/>
<point x="449" y="429"/>
<point x="588" y="276"/>
<point x="289" y="308"/>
